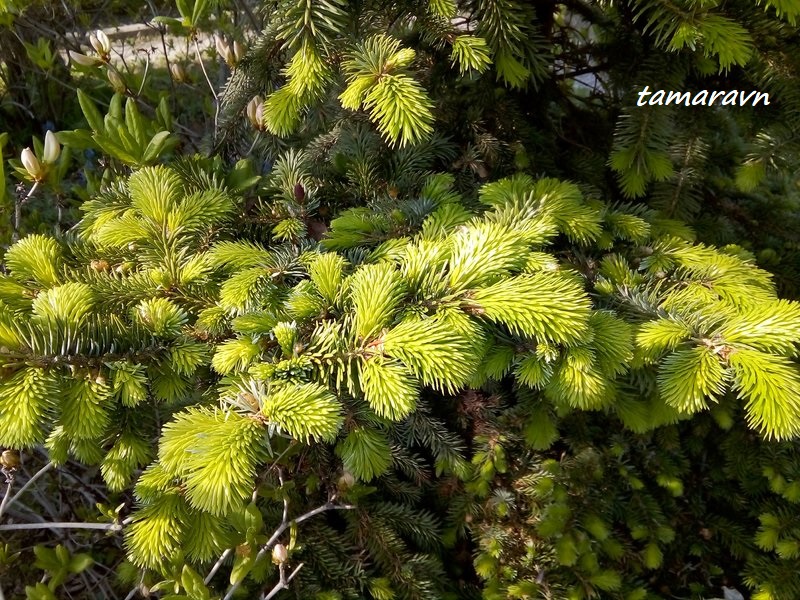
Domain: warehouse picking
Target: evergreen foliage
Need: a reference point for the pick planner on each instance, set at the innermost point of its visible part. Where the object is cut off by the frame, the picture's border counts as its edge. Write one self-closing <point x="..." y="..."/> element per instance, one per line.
<point x="453" y="337"/>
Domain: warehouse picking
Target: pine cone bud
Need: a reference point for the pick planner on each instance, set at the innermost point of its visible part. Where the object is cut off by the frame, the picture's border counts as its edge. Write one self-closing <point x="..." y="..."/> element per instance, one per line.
<point x="279" y="554"/>
<point x="9" y="460"/>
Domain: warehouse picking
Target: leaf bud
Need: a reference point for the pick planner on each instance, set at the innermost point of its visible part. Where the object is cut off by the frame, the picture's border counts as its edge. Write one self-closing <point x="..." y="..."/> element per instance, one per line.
<point x="279" y="554"/>
<point x="99" y="265"/>
<point x="116" y="81"/>
<point x="52" y="149"/>
<point x="346" y="481"/>
<point x="9" y="459"/>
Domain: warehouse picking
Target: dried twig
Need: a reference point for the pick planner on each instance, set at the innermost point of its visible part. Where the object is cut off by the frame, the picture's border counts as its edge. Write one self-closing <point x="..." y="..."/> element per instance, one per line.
<point x="285" y="524"/>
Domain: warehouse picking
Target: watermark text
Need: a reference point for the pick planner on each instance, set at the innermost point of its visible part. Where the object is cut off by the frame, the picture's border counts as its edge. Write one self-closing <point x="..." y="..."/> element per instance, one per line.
<point x="701" y="98"/>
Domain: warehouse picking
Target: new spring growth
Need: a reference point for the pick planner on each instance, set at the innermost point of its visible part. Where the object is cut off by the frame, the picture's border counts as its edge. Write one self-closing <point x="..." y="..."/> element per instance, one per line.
<point x="255" y="112"/>
<point x="230" y="53"/>
<point x="36" y="169"/>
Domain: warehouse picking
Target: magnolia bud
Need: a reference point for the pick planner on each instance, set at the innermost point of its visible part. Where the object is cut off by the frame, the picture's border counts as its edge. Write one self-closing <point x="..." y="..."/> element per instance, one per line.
<point x="52" y="149"/>
<point x="255" y="112"/>
<point x="32" y="164"/>
<point x="83" y="60"/>
<point x="238" y="52"/>
<point x="260" y="115"/>
<point x="279" y="554"/>
<point x="9" y="459"/>
<point x="225" y="51"/>
<point x="116" y="81"/>
<point x="178" y="72"/>
<point x="100" y="42"/>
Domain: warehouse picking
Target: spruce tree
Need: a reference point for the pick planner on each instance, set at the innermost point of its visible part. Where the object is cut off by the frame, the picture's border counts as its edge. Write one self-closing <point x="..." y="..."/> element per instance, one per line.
<point x="437" y="326"/>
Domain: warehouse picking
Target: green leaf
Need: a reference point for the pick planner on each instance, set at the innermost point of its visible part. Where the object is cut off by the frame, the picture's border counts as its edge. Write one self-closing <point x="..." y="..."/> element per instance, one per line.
<point x="93" y="116"/>
<point x="242" y="565"/>
<point x="133" y="120"/>
<point x="80" y="562"/>
<point x="28" y="399"/>
<point x="155" y="147"/>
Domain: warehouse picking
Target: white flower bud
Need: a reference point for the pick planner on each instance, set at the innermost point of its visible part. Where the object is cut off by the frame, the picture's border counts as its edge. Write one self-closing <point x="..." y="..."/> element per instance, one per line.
<point x="32" y="164"/>
<point x="224" y="50"/>
<point x="255" y="112"/>
<point x="83" y="60"/>
<point x="279" y="554"/>
<point x="238" y="52"/>
<point x="52" y="149"/>
<point x="100" y="42"/>
<point x="178" y="72"/>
